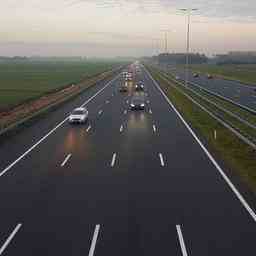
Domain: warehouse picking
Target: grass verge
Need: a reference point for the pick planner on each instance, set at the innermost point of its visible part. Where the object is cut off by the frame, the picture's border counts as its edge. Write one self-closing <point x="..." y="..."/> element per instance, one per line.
<point x="217" y="107"/>
<point x="23" y="81"/>
<point x="239" y="157"/>
<point x="246" y="115"/>
<point x="25" y="119"/>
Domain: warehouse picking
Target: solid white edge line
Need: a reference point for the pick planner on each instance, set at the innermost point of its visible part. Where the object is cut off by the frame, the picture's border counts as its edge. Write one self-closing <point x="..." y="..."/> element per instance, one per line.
<point x="161" y="159"/>
<point x="53" y="130"/>
<point x="9" y="239"/>
<point x="224" y="176"/>
<point x="154" y="128"/>
<point x="88" y="128"/>
<point x="121" y="128"/>
<point x="181" y="240"/>
<point x="66" y="159"/>
<point x="113" y="160"/>
<point x="94" y="240"/>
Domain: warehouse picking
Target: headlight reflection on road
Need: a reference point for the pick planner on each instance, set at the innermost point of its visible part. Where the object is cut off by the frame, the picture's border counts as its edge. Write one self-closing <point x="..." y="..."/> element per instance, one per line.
<point x="138" y="121"/>
<point x="76" y="141"/>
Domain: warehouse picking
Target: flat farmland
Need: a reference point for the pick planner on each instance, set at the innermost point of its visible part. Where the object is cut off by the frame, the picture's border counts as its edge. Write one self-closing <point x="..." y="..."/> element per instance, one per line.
<point x="21" y="81"/>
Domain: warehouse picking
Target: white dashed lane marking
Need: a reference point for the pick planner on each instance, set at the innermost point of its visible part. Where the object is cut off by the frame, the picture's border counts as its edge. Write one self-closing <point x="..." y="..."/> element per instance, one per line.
<point x="181" y="240"/>
<point x="94" y="240"/>
<point x="113" y="160"/>
<point x="9" y="239"/>
<point x="161" y="159"/>
<point x="65" y="160"/>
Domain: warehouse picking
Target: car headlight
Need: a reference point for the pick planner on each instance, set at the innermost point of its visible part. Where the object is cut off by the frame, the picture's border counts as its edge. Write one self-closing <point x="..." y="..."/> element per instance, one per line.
<point x="142" y="105"/>
<point x="132" y="105"/>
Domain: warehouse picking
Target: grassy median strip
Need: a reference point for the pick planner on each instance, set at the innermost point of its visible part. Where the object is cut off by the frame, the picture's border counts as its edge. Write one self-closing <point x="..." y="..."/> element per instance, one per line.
<point x="217" y="108"/>
<point x="244" y="114"/>
<point x="239" y="156"/>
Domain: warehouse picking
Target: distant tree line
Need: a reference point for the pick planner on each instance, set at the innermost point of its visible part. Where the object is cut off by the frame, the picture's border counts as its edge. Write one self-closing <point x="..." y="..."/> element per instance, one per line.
<point x="180" y="58"/>
<point x="15" y="58"/>
<point x="236" y="58"/>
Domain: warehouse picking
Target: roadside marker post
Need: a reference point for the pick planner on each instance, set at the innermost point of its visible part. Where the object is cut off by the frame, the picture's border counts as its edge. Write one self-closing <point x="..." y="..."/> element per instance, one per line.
<point x="215" y="134"/>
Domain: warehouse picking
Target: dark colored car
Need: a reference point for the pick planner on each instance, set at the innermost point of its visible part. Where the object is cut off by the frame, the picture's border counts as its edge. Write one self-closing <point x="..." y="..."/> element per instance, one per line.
<point x="137" y="103"/>
<point x="139" y="87"/>
<point x="195" y="75"/>
<point x="209" y="76"/>
<point x="123" y="88"/>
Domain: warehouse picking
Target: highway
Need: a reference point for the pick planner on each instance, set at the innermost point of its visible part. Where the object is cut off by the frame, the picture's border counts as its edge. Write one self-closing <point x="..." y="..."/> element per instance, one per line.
<point x="126" y="183"/>
<point x="233" y="90"/>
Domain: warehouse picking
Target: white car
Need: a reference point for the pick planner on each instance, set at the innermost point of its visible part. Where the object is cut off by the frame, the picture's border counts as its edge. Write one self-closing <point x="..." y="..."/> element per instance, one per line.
<point x="79" y="115"/>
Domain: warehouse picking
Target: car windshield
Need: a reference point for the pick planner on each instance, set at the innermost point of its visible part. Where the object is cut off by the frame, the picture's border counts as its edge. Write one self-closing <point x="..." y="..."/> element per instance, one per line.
<point x="137" y="100"/>
<point x="78" y="112"/>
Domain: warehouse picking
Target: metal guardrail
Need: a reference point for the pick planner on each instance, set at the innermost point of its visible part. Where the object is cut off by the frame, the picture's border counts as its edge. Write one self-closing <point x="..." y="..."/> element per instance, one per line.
<point x="219" y="107"/>
<point x="252" y="111"/>
<point x="224" y="123"/>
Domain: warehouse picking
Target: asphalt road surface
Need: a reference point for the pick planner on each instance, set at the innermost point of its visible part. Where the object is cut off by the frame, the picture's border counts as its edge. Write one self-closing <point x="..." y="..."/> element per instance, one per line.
<point x="126" y="183"/>
<point x="234" y="90"/>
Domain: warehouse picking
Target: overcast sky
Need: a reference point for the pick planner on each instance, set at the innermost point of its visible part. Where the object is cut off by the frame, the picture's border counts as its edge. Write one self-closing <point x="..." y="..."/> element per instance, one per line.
<point x="123" y="27"/>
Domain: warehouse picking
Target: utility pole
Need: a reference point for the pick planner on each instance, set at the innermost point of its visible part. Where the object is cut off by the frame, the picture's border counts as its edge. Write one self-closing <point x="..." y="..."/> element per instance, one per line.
<point x="165" y="31"/>
<point x="166" y="41"/>
<point x="188" y="11"/>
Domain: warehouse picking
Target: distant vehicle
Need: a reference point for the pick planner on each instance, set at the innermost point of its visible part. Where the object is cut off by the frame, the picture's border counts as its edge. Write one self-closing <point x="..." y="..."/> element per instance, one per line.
<point x="129" y="76"/>
<point x="79" y="115"/>
<point x="125" y="73"/>
<point x="137" y="103"/>
<point x="195" y="75"/>
<point x="123" y="88"/>
<point x="209" y="76"/>
<point x="139" y="87"/>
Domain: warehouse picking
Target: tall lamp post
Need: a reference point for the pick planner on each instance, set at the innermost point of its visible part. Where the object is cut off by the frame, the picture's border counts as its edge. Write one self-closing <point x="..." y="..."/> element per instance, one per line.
<point x="188" y="11"/>
<point x="165" y="31"/>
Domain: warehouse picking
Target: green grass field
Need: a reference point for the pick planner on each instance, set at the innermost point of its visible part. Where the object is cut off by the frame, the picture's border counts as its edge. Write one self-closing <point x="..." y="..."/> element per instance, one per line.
<point x="24" y="80"/>
<point x="243" y="73"/>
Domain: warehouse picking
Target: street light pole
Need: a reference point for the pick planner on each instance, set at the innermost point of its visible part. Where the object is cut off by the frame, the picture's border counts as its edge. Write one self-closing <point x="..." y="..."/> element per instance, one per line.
<point x="166" y="42"/>
<point x="188" y="43"/>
